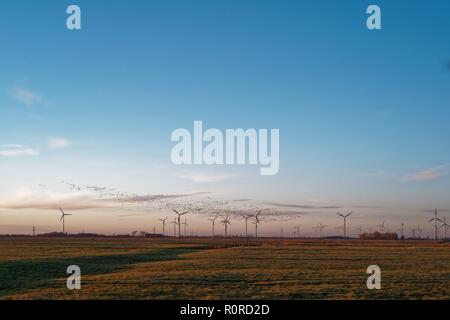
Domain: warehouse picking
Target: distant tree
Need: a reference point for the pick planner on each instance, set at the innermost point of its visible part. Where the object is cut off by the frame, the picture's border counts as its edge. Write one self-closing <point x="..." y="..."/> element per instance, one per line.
<point x="379" y="236"/>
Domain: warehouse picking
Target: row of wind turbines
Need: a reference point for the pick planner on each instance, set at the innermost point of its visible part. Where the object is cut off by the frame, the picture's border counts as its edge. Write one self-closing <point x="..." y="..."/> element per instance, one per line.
<point x="225" y="221"/>
<point x="319" y="229"/>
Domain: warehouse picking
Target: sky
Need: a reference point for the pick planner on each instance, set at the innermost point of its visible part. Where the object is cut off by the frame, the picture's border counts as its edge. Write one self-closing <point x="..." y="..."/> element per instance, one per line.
<point x="363" y="114"/>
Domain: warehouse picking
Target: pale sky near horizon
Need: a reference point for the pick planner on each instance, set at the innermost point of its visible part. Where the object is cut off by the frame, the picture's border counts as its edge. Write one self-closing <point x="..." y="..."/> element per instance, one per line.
<point x="363" y="115"/>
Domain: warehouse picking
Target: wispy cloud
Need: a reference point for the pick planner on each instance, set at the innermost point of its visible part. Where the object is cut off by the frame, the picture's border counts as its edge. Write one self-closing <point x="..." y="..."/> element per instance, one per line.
<point x="11" y="145"/>
<point x="58" y="143"/>
<point x="16" y="150"/>
<point x="25" y="96"/>
<point x="204" y="177"/>
<point x="29" y="199"/>
<point x="427" y="174"/>
<point x="298" y="206"/>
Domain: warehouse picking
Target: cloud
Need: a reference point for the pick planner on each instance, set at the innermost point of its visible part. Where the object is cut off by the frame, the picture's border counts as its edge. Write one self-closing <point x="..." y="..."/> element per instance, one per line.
<point x="11" y="145"/>
<point x="298" y="206"/>
<point x="26" y="96"/>
<point x="203" y="177"/>
<point x="427" y="174"/>
<point x="16" y="150"/>
<point x="58" y="143"/>
<point x="28" y="199"/>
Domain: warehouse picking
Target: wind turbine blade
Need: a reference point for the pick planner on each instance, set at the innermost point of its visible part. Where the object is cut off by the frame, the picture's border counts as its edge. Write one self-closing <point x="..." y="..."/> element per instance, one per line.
<point x="175" y="211"/>
<point x="62" y="211"/>
<point x="61" y="218"/>
<point x="340" y="215"/>
<point x="348" y="214"/>
<point x="430" y="220"/>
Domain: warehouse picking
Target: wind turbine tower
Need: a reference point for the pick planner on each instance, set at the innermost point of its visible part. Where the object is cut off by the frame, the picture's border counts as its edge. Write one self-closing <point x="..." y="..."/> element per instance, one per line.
<point x="382" y="226"/>
<point x="226" y="222"/>
<point x="63" y="220"/>
<point x="345" y="216"/>
<point x="445" y="226"/>
<point x="179" y="220"/>
<point x="213" y="222"/>
<point x="164" y="225"/>
<point x="257" y="222"/>
<point x="174" y="222"/>
<point x="246" y="217"/>
<point x="297" y="230"/>
<point x="436" y="220"/>
<point x="321" y="228"/>
<point x="185" y="225"/>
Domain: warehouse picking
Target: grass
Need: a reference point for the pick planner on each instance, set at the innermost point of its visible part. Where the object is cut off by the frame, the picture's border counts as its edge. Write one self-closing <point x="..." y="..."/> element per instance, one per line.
<point x="165" y="269"/>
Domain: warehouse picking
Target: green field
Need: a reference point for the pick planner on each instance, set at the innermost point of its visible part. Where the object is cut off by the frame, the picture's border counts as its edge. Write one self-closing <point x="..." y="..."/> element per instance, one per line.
<point x="35" y="268"/>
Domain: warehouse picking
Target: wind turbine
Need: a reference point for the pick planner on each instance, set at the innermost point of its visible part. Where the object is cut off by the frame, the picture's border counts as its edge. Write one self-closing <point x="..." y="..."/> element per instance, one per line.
<point x="382" y="226"/>
<point x="226" y="222"/>
<point x="63" y="219"/>
<point x="413" y="232"/>
<point x="256" y="223"/>
<point x="315" y="231"/>
<point x="321" y="228"/>
<point x="419" y="231"/>
<point x="164" y="225"/>
<point x="345" y="216"/>
<point x="435" y="219"/>
<point x="403" y="235"/>
<point x="213" y="220"/>
<point x="445" y="226"/>
<point x="297" y="230"/>
<point x="179" y="220"/>
<point x="246" y="217"/>
<point x="185" y="225"/>
<point x="174" y="222"/>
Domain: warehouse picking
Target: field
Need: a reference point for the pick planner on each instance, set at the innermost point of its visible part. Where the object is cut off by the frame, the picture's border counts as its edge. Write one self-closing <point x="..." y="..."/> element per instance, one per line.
<point x="35" y="268"/>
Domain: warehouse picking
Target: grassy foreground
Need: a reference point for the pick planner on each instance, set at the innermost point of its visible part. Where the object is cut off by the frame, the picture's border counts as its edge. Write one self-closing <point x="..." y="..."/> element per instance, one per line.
<point x="202" y="269"/>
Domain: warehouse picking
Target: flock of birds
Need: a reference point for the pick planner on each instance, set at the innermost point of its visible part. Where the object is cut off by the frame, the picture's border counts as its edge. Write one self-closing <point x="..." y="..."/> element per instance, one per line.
<point x="180" y="205"/>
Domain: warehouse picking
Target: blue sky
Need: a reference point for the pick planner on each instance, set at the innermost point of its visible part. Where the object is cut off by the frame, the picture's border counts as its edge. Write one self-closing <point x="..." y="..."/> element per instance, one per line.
<point x="363" y="115"/>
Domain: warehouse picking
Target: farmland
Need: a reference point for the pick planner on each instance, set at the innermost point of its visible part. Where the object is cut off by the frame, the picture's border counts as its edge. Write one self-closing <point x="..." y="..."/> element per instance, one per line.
<point x="35" y="268"/>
